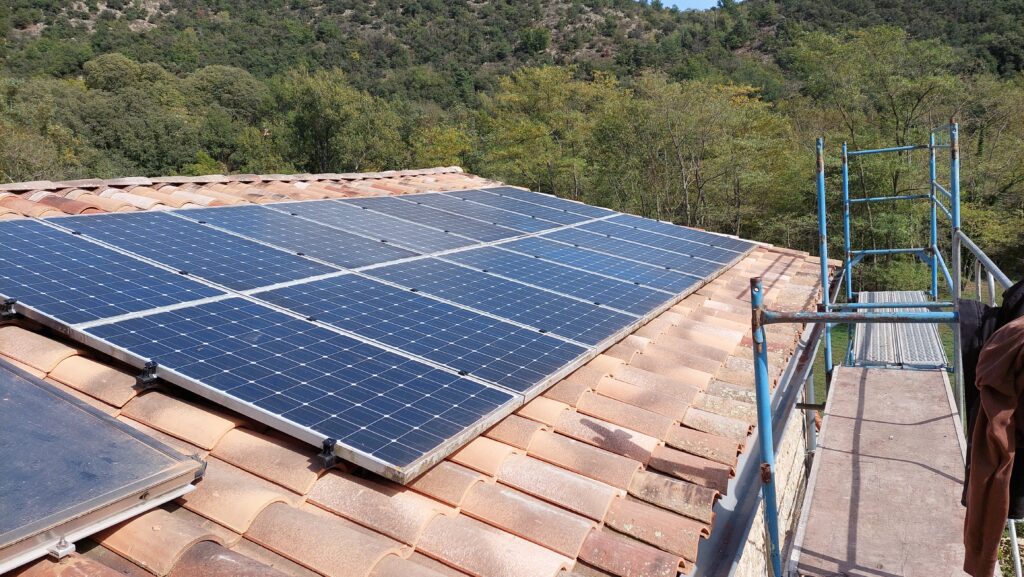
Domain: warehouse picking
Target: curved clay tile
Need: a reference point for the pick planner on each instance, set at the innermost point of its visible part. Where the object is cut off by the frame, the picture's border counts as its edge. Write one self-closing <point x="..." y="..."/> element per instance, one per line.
<point x="516" y="431"/>
<point x="713" y="447"/>
<point x="622" y="556"/>
<point x="662" y="403"/>
<point x="626" y="415"/>
<point x="283" y="462"/>
<point x="222" y="198"/>
<point x="692" y="468"/>
<point x="584" y="459"/>
<point x="655" y="526"/>
<point x="106" y="204"/>
<point x="74" y="565"/>
<point x="27" y="207"/>
<point x="208" y="559"/>
<point x="195" y="424"/>
<point x="484" y="455"/>
<point x="395" y="566"/>
<point x="684" y="498"/>
<point x="231" y="497"/>
<point x="568" y="490"/>
<point x="447" y="482"/>
<point x="33" y="349"/>
<point x="96" y="379"/>
<point x="138" y="201"/>
<point x="161" y="197"/>
<point x="154" y="540"/>
<point x="68" y="205"/>
<point x="8" y="214"/>
<point x="194" y="197"/>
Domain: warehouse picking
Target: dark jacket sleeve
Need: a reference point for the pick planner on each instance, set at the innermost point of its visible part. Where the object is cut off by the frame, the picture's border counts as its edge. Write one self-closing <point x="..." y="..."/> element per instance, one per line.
<point x="1000" y="380"/>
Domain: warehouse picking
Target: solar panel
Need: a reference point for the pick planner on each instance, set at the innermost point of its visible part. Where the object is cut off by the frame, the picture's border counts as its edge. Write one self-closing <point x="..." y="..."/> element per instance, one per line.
<point x="573" y="319"/>
<point x="560" y="216"/>
<point x="375" y="225"/>
<point x="387" y="412"/>
<point x="299" y="235"/>
<point x="455" y="205"/>
<point x="502" y="353"/>
<point x="205" y="252"/>
<point x="633" y="251"/>
<point x="644" y="274"/>
<point x="621" y="295"/>
<point x="418" y="213"/>
<point x="672" y="230"/>
<point x="551" y="201"/>
<point x="655" y="240"/>
<point x="73" y="280"/>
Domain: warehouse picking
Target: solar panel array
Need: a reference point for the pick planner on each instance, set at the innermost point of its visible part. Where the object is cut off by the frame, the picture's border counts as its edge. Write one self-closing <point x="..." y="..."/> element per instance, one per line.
<point x="390" y="329"/>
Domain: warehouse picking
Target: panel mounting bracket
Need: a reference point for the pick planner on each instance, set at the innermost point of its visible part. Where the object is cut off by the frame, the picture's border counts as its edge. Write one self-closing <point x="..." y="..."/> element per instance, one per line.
<point x="327" y="457"/>
<point x="7" y="311"/>
<point x="147" y="378"/>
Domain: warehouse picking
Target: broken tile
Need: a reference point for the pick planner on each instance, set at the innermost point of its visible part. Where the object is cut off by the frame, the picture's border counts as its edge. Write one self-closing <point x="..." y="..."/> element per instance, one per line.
<point x="208" y="559"/>
<point x="691" y="468"/>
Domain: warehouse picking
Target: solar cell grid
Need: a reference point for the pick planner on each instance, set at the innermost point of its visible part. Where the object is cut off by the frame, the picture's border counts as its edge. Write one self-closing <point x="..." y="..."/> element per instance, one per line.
<point x="551" y="201"/>
<point x="76" y="281"/>
<point x="513" y="220"/>
<point x="216" y="256"/>
<point x="375" y="225"/>
<point x="633" y="251"/>
<point x="379" y="403"/>
<point x="668" y="229"/>
<point x="518" y="206"/>
<point x="299" y="235"/>
<point x="580" y="321"/>
<point x="628" y="270"/>
<point x="496" y="351"/>
<point x="654" y="240"/>
<point x="422" y="214"/>
<point x="621" y="295"/>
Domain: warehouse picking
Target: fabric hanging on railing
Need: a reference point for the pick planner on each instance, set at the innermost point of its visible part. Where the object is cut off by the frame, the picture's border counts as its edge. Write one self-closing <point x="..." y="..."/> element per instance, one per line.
<point x="993" y="488"/>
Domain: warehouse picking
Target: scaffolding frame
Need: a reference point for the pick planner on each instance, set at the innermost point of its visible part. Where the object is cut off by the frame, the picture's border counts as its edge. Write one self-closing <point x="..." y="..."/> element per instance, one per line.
<point x="831" y="311"/>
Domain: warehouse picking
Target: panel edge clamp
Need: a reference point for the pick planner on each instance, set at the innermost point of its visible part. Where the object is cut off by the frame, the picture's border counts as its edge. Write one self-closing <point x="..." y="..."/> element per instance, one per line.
<point x="327" y="458"/>
<point x="7" y="311"/>
<point x="61" y="549"/>
<point x="147" y="378"/>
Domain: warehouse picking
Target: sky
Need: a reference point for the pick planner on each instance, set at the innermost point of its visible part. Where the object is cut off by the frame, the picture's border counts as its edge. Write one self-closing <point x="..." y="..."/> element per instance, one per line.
<point x="691" y="3"/>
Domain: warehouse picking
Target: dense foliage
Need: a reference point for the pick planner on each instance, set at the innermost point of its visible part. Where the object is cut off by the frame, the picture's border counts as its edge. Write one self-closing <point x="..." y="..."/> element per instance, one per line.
<point x="704" y="118"/>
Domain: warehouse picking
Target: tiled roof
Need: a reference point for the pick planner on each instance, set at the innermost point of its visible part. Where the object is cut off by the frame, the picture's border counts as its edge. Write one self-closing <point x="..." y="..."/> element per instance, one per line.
<point x="612" y="471"/>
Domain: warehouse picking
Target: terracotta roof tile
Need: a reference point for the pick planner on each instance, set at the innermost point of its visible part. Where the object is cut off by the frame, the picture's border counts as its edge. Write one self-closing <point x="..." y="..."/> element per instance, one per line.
<point x="96" y="379"/>
<point x="96" y="552"/>
<point x="232" y="497"/>
<point x="672" y="369"/>
<point x="493" y="552"/>
<point x="717" y="424"/>
<point x="705" y="445"/>
<point x="97" y="404"/>
<point x="584" y="459"/>
<point x="515" y="431"/>
<point x="447" y="482"/>
<point x="608" y="436"/>
<point x="728" y="390"/>
<point x="193" y="423"/>
<point x="324" y="543"/>
<point x="614" y="411"/>
<point x="740" y="410"/>
<point x="33" y="349"/>
<point x="483" y="454"/>
<point x="208" y="559"/>
<point x="136" y="200"/>
<point x="282" y="461"/>
<point x="569" y="389"/>
<point x="224" y="536"/>
<point x="691" y="468"/>
<point x="680" y="496"/>
<point x="576" y="493"/>
<point x="73" y="565"/>
<point x="665" y="404"/>
<point x="269" y="558"/>
<point x="685" y="390"/>
<point x="528" y="517"/>
<point x="626" y="557"/>
<point x="656" y="526"/>
<point x="102" y="202"/>
<point x="385" y="508"/>
<point x="627" y="347"/>
<point x="27" y="207"/>
<point x="68" y="205"/>
<point x="394" y="566"/>
<point x="543" y="410"/>
<point x="154" y="540"/>
<point x="435" y="565"/>
<point x="183" y="447"/>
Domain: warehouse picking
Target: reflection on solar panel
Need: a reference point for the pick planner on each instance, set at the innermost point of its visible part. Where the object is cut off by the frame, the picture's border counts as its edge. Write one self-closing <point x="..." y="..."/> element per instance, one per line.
<point x="73" y="280"/>
<point x="617" y="294"/>
<point x="504" y="354"/>
<point x="573" y="319"/>
<point x="560" y="216"/>
<point x="313" y="382"/>
<point x="422" y="214"/>
<point x="631" y="250"/>
<point x="208" y="253"/>
<point x="620" y="268"/>
<point x="463" y="305"/>
<point x="299" y="235"/>
<point x="457" y="206"/>
<point x="376" y="225"/>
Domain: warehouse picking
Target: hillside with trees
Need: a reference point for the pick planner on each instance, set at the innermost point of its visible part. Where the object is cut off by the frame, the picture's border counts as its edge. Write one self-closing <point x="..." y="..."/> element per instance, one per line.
<point x="704" y="118"/>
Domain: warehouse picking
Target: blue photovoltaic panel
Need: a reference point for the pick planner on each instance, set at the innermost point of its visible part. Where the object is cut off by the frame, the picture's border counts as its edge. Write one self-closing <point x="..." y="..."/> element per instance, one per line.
<point x="300" y="235"/>
<point x="76" y="281"/>
<point x="644" y="274"/>
<point x="560" y="216"/>
<point x="515" y="220"/>
<point x="395" y="409"/>
<point x="425" y="215"/>
<point x="638" y="252"/>
<point x="551" y="201"/>
<point x="665" y="228"/>
<point x="563" y="316"/>
<point x="496" y="351"/>
<point x="617" y="294"/>
<point x="684" y="247"/>
<point x="375" y="225"/>
<point x="216" y="256"/>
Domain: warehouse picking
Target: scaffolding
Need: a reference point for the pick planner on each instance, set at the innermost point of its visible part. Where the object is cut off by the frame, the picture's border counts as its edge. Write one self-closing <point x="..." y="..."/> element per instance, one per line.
<point x="860" y="311"/>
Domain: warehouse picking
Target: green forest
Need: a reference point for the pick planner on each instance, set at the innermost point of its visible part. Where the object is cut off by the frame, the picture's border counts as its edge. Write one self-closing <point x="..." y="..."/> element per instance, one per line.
<point x="704" y="118"/>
